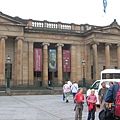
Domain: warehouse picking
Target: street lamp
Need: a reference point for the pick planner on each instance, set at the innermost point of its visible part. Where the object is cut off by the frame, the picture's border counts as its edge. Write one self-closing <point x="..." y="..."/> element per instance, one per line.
<point x="8" y="60"/>
<point x="66" y="62"/>
<point x="84" y="81"/>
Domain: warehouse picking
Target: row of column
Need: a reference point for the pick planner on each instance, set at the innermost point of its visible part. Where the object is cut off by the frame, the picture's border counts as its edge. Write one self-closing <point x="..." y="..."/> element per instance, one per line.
<point x="18" y="61"/>
<point x="107" y="58"/>
<point x="45" y="63"/>
<point x="60" y="66"/>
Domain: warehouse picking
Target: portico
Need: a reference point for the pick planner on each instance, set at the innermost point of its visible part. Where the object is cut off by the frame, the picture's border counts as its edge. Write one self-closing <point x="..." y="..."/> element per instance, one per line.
<point x="55" y="42"/>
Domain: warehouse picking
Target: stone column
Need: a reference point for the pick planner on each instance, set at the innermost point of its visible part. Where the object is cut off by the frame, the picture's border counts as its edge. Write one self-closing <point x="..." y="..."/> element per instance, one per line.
<point x="73" y="63"/>
<point x="2" y="59"/>
<point x="45" y="64"/>
<point x="59" y="58"/>
<point x="95" y="61"/>
<point x="30" y="63"/>
<point x="107" y="55"/>
<point x="118" y="55"/>
<point x="79" y="61"/>
<point x="19" y="60"/>
<point x="88" y="62"/>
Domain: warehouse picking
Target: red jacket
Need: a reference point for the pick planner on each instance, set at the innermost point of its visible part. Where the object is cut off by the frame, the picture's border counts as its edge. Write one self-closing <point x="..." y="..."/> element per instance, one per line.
<point x="79" y="97"/>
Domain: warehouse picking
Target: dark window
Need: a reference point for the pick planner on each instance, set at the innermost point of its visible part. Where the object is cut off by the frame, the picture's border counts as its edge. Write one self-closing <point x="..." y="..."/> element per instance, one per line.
<point x="91" y="72"/>
<point x="56" y="74"/>
<point x="115" y="67"/>
<point x="37" y="74"/>
<point x="103" y="67"/>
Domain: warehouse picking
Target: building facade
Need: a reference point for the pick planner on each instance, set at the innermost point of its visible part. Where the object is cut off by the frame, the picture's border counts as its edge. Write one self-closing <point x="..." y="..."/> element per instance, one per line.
<point x="39" y="49"/>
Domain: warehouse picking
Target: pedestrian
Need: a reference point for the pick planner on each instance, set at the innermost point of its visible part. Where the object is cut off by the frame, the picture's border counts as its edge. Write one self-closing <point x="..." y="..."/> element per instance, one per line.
<point x="79" y="98"/>
<point x="101" y="94"/>
<point x="66" y="91"/>
<point x="91" y="99"/>
<point x="69" y="83"/>
<point x="74" y="89"/>
<point x="110" y="83"/>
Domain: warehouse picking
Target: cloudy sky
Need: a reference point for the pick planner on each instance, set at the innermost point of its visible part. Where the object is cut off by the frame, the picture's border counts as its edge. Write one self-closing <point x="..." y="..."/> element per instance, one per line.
<point x="66" y="11"/>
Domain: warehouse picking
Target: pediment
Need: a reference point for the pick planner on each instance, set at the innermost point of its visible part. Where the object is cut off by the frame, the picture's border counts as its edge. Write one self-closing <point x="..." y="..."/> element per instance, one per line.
<point x="7" y="20"/>
<point x="112" y="30"/>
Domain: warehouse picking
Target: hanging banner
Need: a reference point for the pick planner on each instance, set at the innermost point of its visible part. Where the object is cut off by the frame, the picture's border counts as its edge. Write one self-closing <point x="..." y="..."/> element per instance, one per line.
<point x="52" y="60"/>
<point x="38" y="59"/>
<point x="66" y="55"/>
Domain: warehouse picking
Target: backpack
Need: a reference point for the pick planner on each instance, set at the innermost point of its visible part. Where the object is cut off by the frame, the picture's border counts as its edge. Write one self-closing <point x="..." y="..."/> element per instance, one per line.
<point x="106" y="114"/>
<point x="111" y="93"/>
<point x="117" y="103"/>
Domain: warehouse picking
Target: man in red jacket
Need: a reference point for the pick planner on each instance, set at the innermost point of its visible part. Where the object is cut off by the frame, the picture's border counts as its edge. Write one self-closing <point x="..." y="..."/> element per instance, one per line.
<point x="79" y="98"/>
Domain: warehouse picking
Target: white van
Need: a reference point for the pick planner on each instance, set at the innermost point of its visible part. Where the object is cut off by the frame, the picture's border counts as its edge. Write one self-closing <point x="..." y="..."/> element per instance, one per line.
<point x="97" y="85"/>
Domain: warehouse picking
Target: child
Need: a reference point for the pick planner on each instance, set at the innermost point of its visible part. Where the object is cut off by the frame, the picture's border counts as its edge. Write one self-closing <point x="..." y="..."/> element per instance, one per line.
<point x="91" y="99"/>
<point x="79" y="98"/>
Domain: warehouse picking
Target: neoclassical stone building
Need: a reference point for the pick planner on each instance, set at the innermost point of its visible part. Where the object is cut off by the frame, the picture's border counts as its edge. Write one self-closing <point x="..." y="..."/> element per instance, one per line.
<point x="38" y="49"/>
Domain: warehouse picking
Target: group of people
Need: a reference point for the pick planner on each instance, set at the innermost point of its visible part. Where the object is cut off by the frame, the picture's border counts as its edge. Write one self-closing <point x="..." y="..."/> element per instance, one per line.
<point x="78" y="98"/>
<point x="69" y="87"/>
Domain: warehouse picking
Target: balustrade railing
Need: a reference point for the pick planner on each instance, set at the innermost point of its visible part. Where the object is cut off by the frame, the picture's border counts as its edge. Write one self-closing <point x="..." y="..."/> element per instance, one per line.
<point x="59" y="26"/>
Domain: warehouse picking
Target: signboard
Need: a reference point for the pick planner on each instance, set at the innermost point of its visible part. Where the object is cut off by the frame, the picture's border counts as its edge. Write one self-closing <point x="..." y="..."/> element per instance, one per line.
<point x="66" y="55"/>
<point x="52" y="60"/>
<point x="37" y="59"/>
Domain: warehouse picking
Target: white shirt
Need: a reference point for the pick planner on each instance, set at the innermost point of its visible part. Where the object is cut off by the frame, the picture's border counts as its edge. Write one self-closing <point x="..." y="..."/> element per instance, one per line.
<point x="66" y="88"/>
<point x="74" y="88"/>
<point x="70" y="83"/>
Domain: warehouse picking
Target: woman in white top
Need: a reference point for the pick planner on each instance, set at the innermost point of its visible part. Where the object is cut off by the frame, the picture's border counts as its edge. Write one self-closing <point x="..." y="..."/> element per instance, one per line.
<point x="74" y="89"/>
<point x="66" y="91"/>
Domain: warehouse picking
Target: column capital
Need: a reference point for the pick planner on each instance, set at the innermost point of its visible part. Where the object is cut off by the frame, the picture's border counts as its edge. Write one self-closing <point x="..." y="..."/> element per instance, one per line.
<point x="20" y="38"/>
<point x="107" y="44"/>
<point x="5" y="37"/>
<point x="60" y="44"/>
<point x="94" y="42"/>
<point x="45" y="44"/>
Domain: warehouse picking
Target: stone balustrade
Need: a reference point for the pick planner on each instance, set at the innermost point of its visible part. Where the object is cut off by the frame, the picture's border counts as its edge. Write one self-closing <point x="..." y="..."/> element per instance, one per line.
<point x="60" y="26"/>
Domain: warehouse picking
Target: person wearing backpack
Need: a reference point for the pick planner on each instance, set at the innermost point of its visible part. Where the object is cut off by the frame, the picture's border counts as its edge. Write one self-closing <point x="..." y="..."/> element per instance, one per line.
<point x="113" y="96"/>
<point x="74" y="89"/>
<point x="101" y="95"/>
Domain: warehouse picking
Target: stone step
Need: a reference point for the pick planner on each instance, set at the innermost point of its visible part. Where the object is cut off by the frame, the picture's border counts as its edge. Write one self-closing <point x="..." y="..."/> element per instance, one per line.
<point x="30" y="92"/>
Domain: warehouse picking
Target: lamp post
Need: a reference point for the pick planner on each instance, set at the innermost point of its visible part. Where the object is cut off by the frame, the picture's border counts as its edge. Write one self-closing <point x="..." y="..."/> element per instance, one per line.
<point x="66" y="62"/>
<point x="84" y="80"/>
<point x="8" y="71"/>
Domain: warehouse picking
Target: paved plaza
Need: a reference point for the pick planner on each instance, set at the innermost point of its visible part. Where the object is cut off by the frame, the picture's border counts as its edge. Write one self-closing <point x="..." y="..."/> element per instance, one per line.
<point x="38" y="107"/>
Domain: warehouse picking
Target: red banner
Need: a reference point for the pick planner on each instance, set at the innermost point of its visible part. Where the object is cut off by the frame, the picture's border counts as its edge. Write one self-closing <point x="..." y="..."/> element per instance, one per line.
<point x="66" y="56"/>
<point x="38" y="59"/>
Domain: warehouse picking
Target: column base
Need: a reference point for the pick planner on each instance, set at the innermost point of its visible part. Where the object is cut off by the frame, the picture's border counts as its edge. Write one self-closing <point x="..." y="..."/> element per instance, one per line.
<point x="45" y="83"/>
<point x="60" y="83"/>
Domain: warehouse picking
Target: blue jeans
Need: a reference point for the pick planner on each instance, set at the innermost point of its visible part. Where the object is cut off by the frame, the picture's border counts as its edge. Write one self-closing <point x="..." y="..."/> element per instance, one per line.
<point x="74" y="95"/>
<point x="91" y="114"/>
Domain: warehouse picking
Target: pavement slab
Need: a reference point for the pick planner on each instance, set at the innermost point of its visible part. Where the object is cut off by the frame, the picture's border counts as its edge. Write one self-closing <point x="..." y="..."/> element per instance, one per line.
<point x="38" y="107"/>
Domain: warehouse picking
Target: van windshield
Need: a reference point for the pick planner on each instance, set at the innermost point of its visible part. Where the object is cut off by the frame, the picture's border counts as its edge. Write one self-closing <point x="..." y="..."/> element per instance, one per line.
<point x="96" y="85"/>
